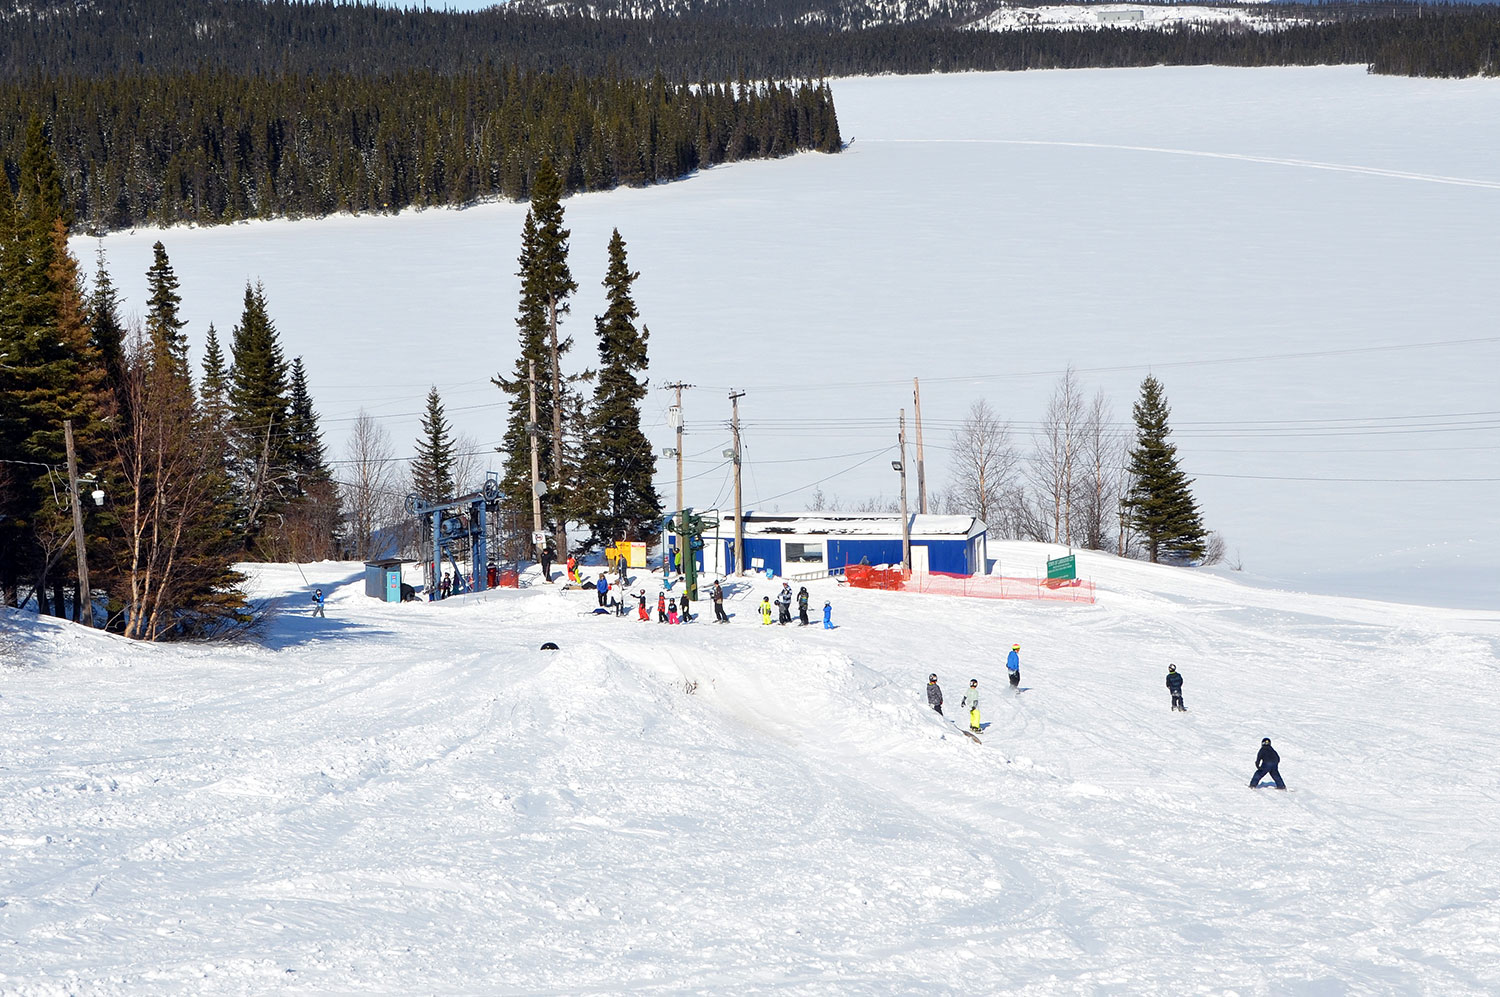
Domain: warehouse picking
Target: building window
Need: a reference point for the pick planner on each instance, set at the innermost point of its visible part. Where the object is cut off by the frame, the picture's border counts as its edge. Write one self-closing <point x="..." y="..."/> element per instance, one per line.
<point x="804" y="553"/>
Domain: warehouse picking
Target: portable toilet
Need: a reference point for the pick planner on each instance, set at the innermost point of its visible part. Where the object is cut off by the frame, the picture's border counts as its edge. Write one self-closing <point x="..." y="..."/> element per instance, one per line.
<point x="383" y="579"/>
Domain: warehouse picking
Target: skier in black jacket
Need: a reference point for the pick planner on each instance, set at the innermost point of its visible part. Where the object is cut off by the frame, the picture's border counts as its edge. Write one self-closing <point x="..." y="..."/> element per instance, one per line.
<point x="1266" y="763"/>
<point x="934" y="694"/>
<point x="1174" y="684"/>
<point x="718" y="598"/>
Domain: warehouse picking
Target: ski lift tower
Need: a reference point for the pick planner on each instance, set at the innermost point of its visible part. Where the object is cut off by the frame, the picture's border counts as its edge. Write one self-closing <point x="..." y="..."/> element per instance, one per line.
<point x="457" y="523"/>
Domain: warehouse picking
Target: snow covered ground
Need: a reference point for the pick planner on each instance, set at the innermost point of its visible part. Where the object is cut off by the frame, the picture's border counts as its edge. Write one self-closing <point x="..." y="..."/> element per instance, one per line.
<point x="414" y="799"/>
<point x="1122" y="15"/>
<point x="1305" y="257"/>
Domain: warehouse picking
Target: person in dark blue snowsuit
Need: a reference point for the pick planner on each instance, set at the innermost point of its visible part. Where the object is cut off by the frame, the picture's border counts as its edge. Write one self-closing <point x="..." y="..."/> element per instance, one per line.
<point x="1266" y="763"/>
<point x="1174" y="686"/>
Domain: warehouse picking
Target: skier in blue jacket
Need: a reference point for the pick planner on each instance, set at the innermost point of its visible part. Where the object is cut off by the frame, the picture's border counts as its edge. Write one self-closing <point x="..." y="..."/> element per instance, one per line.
<point x="1174" y="686"/>
<point x="603" y="588"/>
<point x="1265" y="764"/>
<point x="317" y="600"/>
<point x="1013" y="665"/>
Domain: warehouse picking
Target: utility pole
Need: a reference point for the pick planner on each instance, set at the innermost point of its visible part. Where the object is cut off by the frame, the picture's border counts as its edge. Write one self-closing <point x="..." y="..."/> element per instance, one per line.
<point x="916" y="394"/>
<point x="905" y="521"/>
<point x="739" y="514"/>
<point x="675" y="417"/>
<point x="536" y="474"/>
<point x="85" y="598"/>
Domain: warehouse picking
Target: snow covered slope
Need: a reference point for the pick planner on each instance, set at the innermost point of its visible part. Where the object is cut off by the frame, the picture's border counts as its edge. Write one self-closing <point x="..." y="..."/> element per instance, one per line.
<point x="413" y="799"/>
<point x="1306" y="257"/>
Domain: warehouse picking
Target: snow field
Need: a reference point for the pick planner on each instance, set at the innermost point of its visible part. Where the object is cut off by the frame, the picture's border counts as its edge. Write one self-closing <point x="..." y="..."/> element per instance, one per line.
<point x="415" y="799"/>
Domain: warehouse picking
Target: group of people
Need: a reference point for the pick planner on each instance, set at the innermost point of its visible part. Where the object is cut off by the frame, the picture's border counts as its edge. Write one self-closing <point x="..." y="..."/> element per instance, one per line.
<point x="1267" y="761"/>
<point x="783" y="608"/>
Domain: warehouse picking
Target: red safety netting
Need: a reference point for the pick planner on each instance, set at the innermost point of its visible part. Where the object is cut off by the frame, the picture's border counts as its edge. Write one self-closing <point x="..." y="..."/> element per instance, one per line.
<point x="864" y="576"/>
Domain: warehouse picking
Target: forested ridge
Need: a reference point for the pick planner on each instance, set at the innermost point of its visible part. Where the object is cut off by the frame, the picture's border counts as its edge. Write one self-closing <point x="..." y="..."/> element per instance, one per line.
<point x="213" y="147"/>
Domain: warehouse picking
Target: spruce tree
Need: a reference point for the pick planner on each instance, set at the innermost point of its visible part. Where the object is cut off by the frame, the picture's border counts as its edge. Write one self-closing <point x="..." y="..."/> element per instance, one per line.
<point x="163" y="324"/>
<point x="108" y="331"/>
<point x="432" y="468"/>
<point x="616" y="496"/>
<point x="214" y="389"/>
<point x="258" y="404"/>
<point x="1160" y="504"/>
<point x="313" y="519"/>
<point x="550" y="282"/>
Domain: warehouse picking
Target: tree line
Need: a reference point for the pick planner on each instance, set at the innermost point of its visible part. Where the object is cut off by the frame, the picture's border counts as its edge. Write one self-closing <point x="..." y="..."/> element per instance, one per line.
<point x="209" y="147"/>
<point x="704" y="39"/>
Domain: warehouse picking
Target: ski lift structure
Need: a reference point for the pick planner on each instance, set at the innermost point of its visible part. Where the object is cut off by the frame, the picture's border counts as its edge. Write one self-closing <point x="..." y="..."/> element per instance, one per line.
<point x="470" y="528"/>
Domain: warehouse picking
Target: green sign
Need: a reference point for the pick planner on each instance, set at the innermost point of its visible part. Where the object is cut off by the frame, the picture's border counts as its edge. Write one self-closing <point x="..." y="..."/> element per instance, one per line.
<point x="1061" y="568"/>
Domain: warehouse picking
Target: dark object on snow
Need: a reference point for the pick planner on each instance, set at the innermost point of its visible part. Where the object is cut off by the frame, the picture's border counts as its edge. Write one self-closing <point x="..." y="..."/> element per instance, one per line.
<point x="1266" y="762"/>
<point x="408" y="593"/>
<point x="1174" y="684"/>
<point x="549" y="646"/>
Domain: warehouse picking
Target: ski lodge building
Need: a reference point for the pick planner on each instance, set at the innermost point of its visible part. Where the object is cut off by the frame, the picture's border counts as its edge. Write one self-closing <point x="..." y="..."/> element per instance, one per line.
<point x="808" y="544"/>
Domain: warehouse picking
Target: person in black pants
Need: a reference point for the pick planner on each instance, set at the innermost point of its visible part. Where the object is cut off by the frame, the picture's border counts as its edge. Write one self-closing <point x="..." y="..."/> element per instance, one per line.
<point x="1266" y="763"/>
<point x="1174" y="685"/>
<point x="718" y="598"/>
<point x="934" y="694"/>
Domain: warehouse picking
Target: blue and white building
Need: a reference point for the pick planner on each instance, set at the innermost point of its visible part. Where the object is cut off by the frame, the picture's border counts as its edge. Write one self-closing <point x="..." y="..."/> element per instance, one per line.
<point x="808" y="543"/>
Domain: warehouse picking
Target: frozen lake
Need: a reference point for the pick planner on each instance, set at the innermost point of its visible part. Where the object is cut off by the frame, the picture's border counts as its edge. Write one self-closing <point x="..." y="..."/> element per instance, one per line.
<point x="1305" y="257"/>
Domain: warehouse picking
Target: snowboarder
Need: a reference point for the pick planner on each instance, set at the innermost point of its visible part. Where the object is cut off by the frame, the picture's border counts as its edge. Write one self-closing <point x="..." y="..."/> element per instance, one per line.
<point x="684" y="606"/>
<point x="765" y="611"/>
<point x="603" y="587"/>
<point x="934" y="694"/>
<point x="827" y="615"/>
<point x="802" y="606"/>
<point x="661" y="607"/>
<point x="1265" y="764"/>
<point x="546" y="559"/>
<point x="971" y="701"/>
<point x="1013" y="665"/>
<point x="645" y="613"/>
<point x="1174" y="684"/>
<point x="317" y="601"/>
<point x="672" y="611"/>
<point x="718" y="599"/>
<point x="784" y="604"/>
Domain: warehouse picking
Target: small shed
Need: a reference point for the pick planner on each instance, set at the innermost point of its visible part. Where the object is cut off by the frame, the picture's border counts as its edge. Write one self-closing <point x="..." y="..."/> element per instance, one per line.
<point x="383" y="579"/>
<point x="809" y="543"/>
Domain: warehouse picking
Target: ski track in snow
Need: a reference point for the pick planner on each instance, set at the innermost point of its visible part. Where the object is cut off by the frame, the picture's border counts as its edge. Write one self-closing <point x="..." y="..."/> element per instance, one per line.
<point x="1308" y="164"/>
<point x="414" y="799"/>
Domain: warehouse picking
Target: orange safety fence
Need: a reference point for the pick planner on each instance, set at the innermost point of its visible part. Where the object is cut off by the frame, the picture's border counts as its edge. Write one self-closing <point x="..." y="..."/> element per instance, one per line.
<point x="864" y="576"/>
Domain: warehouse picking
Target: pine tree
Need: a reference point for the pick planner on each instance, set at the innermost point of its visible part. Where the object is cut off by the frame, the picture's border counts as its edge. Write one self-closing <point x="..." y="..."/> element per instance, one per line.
<point x="258" y="404"/>
<point x="432" y="468"/>
<point x="615" y="494"/>
<point x="1160" y="504"/>
<point x="163" y="324"/>
<point x="313" y="519"/>
<point x="108" y="331"/>
<point x="214" y="389"/>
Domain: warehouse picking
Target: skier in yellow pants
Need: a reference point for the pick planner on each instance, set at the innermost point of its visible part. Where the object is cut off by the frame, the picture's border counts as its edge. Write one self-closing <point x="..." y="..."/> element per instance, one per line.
<point x="765" y="611"/>
<point x="971" y="700"/>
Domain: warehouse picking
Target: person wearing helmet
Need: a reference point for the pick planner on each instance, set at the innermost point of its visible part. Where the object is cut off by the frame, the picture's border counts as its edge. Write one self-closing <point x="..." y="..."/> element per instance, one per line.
<point x="971" y="702"/>
<point x="934" y="694"/>
<point x="802" y="598"/>
<point x="645" y="613"/>
<point x="661" y="607"/>
<point x="1174" y="685"/>
<point x="1265" y="764"/>
<point x="827" y="615"/>
<point x="317" y="601"/>
<point x="1013" y="665"/>
<point x="765" y="611"/>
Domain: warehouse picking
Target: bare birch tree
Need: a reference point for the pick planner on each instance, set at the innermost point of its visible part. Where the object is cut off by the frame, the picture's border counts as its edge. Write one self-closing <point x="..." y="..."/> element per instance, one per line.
<point x="1101" y="453"/>
<point x="372" y="489"/>
<point x="1054" y="463"/>
<point x="984" y="463"/>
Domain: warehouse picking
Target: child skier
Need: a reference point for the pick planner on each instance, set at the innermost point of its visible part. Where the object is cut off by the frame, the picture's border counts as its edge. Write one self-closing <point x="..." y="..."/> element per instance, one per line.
<point x="645" y="613"/>
<point x="683" y="608"/>
<point x="661" y="607"/>
<point x="602" y="585"/>
<point x="672" y="611"/>
<point x="1174" y="685"/>
<point x="827" y="615"/>
<point x="1265" y="764"/>
<point x="971" y="700"/>
<point x="784" y="603"/>
<point x="1013" y="665"/>
<point x="317" y="601"/>
<point x="802" y="606"/>
<point x="934" y="694"/>
<point x="765" y="611"/>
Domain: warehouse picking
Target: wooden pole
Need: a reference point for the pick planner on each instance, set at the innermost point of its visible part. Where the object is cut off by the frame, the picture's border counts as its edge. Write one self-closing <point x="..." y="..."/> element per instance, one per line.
<point x="85" y="593"/>
<point x="916" y="394"/>
<point x="905" y="520"/>
<point x="739" y="513"/>
<point x="682" y="553"/>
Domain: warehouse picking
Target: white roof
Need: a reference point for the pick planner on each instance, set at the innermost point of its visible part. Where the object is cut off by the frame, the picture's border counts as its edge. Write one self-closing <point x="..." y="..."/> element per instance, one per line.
<point x="856" y="524"/>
